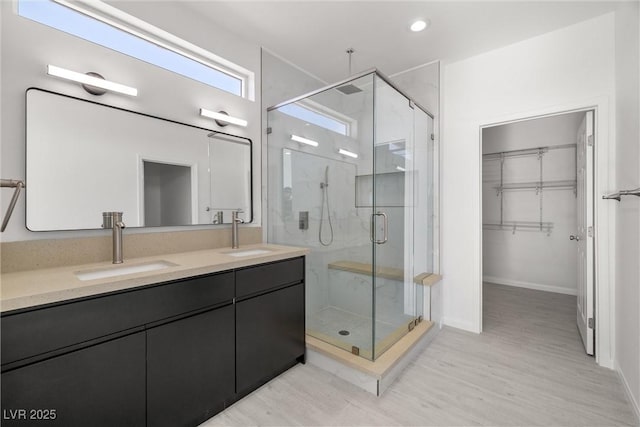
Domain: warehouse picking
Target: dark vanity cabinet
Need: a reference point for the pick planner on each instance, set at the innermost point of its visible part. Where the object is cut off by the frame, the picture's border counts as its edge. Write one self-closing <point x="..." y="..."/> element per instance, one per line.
<point x="269" y="322"/>
<point x="99" y="385"/>
<point x="170" y="354"/>
<point x="190" y="368"/>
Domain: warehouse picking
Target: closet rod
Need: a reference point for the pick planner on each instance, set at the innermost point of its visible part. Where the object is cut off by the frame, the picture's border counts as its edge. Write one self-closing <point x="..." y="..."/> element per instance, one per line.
<point x="535" y="185"/>
<point x="514" y="226"/>
<point x="526" y="151"/>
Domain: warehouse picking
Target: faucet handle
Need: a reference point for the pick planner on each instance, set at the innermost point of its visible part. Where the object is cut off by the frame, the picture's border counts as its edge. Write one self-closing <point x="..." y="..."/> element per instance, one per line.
<point x="234" y="216"/>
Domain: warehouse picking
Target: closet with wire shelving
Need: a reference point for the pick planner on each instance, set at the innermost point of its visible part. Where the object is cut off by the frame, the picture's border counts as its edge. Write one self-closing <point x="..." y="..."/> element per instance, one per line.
<point x="529" y="212"/>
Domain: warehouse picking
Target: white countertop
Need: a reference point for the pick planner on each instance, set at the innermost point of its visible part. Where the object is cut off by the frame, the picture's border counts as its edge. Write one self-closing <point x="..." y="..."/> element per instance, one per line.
<point x="36" y="287"/>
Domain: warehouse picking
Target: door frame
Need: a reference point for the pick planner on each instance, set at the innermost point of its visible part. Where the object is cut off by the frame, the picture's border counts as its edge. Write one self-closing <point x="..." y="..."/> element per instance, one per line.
<point x="603" y="217"/>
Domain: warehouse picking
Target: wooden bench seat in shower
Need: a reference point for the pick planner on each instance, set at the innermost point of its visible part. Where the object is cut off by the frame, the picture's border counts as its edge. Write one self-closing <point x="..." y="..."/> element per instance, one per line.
<point x="426" y="279"/>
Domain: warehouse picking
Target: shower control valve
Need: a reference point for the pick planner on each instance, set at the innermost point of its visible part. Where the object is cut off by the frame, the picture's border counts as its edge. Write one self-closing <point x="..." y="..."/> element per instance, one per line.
<point x="303" y="220"/>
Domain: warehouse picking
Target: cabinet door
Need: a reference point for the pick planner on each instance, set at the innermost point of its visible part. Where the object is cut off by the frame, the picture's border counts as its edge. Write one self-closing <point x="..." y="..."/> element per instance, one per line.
<point x="102" y="385"/>
<point x="190" y="368"/>
<point x="270" y="335"/>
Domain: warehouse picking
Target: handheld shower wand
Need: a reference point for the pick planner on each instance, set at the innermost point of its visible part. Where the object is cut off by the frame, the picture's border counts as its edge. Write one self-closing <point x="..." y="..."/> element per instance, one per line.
<point x="326" y="178"/>
<point x="325" y="201"/>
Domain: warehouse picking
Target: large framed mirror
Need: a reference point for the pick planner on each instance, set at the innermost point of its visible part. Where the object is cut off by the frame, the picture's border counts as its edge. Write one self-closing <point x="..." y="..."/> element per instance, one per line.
<point x="85" y="158"/>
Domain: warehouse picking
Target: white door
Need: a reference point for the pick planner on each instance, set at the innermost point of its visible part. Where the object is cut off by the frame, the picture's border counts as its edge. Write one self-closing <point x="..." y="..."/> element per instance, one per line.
<point x="584" y="236"/>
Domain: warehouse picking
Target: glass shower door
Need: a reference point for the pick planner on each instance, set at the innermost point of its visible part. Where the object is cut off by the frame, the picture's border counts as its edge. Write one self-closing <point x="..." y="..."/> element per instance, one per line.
<point x="320" y="196"/>
<point x="392" y="236"/>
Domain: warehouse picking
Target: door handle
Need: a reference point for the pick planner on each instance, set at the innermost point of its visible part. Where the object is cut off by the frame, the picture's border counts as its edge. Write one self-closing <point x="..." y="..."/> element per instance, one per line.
<point x="576" y="238"/>
<point x="385" y="234"/>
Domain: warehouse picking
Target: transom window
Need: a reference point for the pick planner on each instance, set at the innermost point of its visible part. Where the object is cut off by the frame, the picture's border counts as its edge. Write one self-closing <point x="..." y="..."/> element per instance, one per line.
<point x="108" y="27"/>
<point x="314" y="114"/>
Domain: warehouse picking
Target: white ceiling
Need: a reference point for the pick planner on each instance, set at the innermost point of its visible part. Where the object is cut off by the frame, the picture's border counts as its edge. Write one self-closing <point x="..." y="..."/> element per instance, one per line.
<point x="315" y="34"/>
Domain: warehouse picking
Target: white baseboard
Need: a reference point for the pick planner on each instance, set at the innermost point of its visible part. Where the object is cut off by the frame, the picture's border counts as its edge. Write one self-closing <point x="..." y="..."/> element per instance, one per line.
<point x="530" y="285"/>
<point x="630" y="396"/>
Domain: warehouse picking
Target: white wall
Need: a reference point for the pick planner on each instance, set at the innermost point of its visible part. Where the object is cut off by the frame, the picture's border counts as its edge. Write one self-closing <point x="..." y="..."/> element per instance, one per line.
<point x="282" y="80"/>
<point x="628" y="210"/>
<point x="531" y="258"/>
<point x="563" y="70"/>
<point x="28" y="46"/>
<point x="422" y="83"/>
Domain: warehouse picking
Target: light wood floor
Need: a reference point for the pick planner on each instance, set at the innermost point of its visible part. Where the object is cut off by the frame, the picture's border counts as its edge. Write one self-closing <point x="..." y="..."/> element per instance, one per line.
<point x="527" y="368"/>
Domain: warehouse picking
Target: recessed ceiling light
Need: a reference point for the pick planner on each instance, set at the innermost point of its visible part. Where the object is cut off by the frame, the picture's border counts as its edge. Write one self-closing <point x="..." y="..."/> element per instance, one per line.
<point x="419" y="25"/>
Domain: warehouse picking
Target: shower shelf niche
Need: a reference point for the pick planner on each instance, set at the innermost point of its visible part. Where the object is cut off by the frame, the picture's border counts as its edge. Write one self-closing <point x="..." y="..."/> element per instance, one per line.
<point x="389" y="190"/>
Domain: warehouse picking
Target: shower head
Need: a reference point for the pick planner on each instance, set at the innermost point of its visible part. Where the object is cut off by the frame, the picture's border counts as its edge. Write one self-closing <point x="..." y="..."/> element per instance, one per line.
<point x="349" y="89"/>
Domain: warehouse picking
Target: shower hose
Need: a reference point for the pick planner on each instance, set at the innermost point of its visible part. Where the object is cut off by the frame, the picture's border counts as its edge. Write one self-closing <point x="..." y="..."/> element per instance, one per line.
<point x="325" y="201"/>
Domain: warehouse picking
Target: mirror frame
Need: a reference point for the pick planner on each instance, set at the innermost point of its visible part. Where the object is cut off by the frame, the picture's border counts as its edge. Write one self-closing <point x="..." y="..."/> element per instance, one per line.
<point x="217" y="132"/>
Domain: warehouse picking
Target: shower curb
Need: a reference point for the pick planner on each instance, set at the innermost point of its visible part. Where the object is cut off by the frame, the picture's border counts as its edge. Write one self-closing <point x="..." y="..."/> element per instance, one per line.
<point x="372" y="376"/>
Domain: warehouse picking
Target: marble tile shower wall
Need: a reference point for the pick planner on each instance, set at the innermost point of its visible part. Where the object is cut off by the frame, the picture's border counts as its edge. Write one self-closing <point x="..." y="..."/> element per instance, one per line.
<point x="352" y="292"/>
<point x="295" y="172"/>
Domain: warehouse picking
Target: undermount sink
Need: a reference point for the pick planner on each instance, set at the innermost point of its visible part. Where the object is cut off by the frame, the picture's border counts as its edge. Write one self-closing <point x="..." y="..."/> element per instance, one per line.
<point x="122" y="270"/>
<point x="248" y="252"/>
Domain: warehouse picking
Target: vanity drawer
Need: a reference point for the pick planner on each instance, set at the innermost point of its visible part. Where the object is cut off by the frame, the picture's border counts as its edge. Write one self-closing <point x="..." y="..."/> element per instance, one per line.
<point x="254" y="280"/>
<point x="38" y="331"/>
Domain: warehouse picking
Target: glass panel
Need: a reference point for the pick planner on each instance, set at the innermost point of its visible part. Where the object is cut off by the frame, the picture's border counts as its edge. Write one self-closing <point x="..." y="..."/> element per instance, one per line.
<point x="424" y="242"/>
<point x="394" y="174"/>
<point x="311" y="202"/>
<point x="319" y="119"/>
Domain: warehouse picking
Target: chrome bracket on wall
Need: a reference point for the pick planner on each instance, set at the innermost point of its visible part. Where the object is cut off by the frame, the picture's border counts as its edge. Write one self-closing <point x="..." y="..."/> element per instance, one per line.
<point x="617" y="196"/>
<point x="18" y="185"/>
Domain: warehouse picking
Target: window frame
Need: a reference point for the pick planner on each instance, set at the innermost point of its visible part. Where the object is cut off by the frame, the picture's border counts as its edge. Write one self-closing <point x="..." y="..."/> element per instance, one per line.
<point x="116" y="18"/>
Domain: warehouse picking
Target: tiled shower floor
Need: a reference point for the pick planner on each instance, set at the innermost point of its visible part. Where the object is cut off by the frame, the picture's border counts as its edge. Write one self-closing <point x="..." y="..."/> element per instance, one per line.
<point x="327" y="323"/>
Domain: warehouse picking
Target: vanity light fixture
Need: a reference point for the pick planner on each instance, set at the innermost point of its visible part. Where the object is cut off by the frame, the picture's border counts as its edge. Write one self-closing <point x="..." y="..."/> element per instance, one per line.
<point x="401" y="169"/>
<point x="222" y="118"/>
<point x="93" y="83"/>
<point x="302" y="140"/>
<point x="347" y="153"/>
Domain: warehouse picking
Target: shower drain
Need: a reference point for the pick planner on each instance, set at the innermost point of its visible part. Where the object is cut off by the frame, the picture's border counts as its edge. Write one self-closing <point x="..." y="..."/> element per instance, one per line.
<point x="343" y="332"/>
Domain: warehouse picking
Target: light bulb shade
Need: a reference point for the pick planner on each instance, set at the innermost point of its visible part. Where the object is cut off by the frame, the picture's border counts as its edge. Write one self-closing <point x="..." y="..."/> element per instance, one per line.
<point x="302" y="140"/>
<point x="223" y="117"/>
<point x="348" y="153"/>
<point x="85" y="79"/>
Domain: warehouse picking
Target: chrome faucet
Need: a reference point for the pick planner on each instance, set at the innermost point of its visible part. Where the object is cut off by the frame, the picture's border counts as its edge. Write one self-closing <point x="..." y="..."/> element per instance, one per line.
<point x="234" y="228"/>
<point x="113" y="220"/>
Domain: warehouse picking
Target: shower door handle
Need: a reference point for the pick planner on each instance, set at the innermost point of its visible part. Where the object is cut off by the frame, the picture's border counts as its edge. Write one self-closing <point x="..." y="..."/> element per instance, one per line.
<point x="385" y="235"/>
